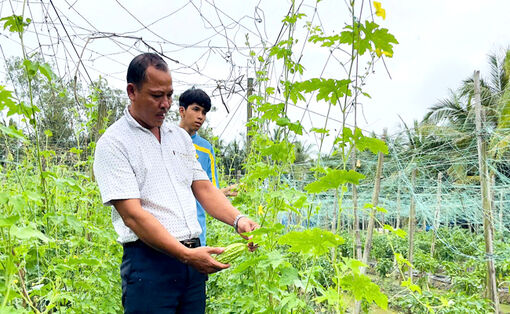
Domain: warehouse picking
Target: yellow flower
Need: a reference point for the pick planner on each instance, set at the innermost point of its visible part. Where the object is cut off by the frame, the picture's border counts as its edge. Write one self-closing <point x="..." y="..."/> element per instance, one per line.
<point x="260" y="210"/>
<point x="380" y="52"/>
<point x="379" y="11"/>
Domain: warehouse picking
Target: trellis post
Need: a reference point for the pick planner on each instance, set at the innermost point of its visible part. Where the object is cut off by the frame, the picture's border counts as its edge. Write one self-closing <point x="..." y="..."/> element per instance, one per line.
<point x="492" y="287"/>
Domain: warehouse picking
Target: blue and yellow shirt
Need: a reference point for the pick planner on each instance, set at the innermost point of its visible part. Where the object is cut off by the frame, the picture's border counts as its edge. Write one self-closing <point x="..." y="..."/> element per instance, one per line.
<point x="205" y="155"/>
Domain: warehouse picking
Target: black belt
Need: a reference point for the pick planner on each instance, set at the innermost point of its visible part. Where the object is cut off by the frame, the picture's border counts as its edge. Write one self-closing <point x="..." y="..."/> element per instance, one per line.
<point x="191" y="243"/>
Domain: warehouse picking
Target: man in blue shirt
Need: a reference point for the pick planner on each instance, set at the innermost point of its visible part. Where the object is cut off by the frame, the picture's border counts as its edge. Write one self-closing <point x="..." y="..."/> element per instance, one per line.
<point x="194" y="104"/>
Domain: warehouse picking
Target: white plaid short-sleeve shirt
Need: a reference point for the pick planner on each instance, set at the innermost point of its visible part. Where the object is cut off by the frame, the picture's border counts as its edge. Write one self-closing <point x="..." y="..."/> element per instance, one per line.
<point x="130" y="163"/>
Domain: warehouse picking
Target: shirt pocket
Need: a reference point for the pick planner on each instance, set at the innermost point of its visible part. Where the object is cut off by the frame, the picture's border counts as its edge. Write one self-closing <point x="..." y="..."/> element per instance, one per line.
<point x="183" y="164"/>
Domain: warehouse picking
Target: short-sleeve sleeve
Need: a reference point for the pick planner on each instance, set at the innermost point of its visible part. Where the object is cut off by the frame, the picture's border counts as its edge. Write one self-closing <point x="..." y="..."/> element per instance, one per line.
<point x="113" y="172"/>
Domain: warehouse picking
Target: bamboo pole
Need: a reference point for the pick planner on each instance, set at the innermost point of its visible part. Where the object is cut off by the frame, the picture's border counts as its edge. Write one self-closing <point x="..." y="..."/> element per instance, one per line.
<point x="412" y="223"/>
<point x="249" y="112"/>
<point x="375" y="201"/>
<point x="398" y="205"/>
<point x="335" y="213"/>
<point x="501" y="214"/>
<point x="357" y="235"/>
<point x="436" y="214"/>
<point x="371" y="223"/>
<point x="492" y="288"/>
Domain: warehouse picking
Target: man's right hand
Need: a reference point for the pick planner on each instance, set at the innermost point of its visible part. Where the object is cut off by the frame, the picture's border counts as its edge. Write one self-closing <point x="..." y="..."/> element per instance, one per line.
<point x="200" y="258"/>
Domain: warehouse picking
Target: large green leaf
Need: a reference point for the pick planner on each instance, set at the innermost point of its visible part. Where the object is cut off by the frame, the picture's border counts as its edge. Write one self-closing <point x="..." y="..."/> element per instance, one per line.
<point x="331" y="296"/>
<point x="15" y="23"/>
<point x="13" y="132"/>
<point x="329" y="90"/>
<point x="27" y="233"/>
<point x="363" y="288"/>
<point x="311" y="241"/>
<point x="8" y="221"/>
<point x="333" y="179"/>
<point x="375" y="145"/>
<point x="288" y="276"/>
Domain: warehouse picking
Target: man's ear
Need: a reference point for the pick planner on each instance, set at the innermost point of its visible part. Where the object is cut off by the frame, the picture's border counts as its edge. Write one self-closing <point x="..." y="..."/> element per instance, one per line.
<point x="131" y="89"/>
<point x="181" y="111"/>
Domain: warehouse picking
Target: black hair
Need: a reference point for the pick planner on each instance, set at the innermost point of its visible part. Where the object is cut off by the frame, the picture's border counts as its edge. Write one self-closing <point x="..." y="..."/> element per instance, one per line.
<point x="195" y="96"/>
<point x="137" y="69"/>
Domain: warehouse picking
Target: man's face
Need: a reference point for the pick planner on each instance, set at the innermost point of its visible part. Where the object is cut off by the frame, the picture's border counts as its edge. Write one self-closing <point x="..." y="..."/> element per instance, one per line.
<point x="192" y="118"/>
<point x="151" y="102"/>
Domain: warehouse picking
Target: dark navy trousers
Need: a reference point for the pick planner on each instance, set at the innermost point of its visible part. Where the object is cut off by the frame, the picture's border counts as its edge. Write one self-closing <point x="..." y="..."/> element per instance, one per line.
<point x="153" y="282"/>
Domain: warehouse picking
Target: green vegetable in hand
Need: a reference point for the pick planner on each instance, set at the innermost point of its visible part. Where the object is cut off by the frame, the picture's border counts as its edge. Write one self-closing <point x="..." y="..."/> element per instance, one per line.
<point x="232" y="252"/>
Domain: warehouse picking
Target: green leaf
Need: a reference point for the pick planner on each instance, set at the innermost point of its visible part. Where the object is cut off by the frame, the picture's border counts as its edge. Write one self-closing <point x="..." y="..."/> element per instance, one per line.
<point x="399" y="232"/>
<point x="83" y="261"/>
<point x="363" y="288"/>
<point x="33" y="196"/>
<point x="27" y="233"/>
<point x="282" y="151"/>
<point x="248" y="264"/>
<point x="283" y="121"/>
<point x="354" y="264"/>
<point x="368" y="37"/>
<point x="11" y="131"/>
<point x="288" y="276"/>
<point x="8" y="221"/>
<point x="373" y="144"/>
<point x="331" y="296"/>
<point x="274" y="260"/>
<point x="31" y="68"/>
<point x="333" y="179"/>
<point x="45" y="70"/>
<point x="320" y="131"/>
<point x="296" y="127"/>
<point x="4" y="197"/>
<point x="271" y="111"/>
<point x="401" y="260"/>
<point x="329" y="90"/>
<point x="381" y="209"/>
<point x="301" y="202"/>
<point x="6" y="99"/>
<point x="411" y="286"/>
<point x="15" y="23"/>
<point x="314" y="241"/>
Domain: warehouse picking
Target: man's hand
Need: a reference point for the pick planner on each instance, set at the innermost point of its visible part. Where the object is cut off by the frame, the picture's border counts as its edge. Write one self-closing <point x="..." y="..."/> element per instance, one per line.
<point x="230" y="190"/>
<point x="245" y="224"/>
<point x="200" y="258"/>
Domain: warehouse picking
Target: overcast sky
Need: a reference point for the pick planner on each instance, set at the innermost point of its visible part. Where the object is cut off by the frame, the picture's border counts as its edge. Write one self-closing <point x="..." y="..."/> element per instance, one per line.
<point x="441" y="43"/>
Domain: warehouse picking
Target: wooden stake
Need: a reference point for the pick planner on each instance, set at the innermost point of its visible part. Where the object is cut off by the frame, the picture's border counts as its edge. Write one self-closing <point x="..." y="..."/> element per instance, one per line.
<point x="335" y="213"/>
<point x="492" y="287"/>
<point x="437" y="213"/>
<point x="357" y="235"/>
<point x="375" y="201"/>
<point x="412" y="223"/>
<point x="501" y="214"/>
<point x="398" y="204"/>
<point x="371" y="223"/>
<point x="249" y="112"/>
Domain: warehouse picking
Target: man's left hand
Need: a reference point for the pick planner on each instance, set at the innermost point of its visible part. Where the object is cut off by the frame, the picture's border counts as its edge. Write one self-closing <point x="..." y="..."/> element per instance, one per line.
<point x="245" y="224"/>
